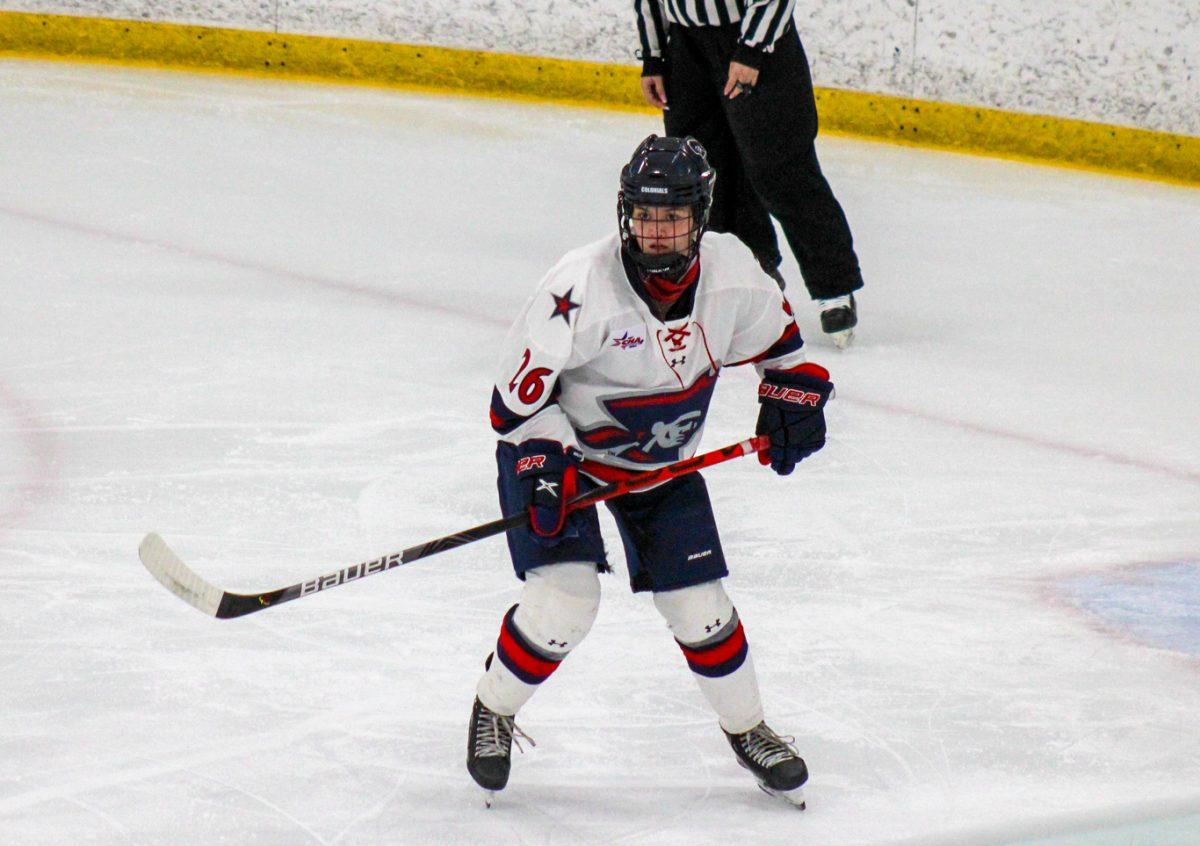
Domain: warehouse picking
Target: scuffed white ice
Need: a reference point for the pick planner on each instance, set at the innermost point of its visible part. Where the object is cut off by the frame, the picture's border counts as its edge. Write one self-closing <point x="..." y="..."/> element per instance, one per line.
<point x="261" y="320"/>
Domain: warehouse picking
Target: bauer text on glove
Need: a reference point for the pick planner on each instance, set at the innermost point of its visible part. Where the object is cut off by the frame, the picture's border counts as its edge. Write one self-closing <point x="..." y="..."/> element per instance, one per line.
<point x="792" y="413"/>
<point x="547" y="476"/>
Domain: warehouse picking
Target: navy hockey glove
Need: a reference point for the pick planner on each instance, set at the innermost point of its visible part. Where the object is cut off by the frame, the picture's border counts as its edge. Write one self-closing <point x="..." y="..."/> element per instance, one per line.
<point x="792" y="413"/>
<point x="547" y="477"/>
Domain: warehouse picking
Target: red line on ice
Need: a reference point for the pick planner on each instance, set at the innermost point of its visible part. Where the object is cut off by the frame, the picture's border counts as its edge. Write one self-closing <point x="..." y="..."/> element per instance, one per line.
<point x="380" y="294"/>
<point x="1032" y="440"/>
<point x="39" y="444"/>
<point x="393" y="298"/>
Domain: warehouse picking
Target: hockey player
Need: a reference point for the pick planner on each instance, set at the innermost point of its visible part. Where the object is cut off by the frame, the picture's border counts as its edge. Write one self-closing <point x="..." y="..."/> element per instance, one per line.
<point x="608" y="372"/>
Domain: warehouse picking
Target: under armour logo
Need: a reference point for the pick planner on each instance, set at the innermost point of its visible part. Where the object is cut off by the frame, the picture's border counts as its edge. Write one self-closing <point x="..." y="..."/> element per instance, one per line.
<point x="676" y="362"/>
<point x="547" y="486"/>
<point x="716" y="625"/>
<point x="554" y="642"/>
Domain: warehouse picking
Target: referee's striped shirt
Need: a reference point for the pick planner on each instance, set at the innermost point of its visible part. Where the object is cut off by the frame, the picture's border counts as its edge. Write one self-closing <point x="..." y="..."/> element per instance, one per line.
<point x="763" y="21"/>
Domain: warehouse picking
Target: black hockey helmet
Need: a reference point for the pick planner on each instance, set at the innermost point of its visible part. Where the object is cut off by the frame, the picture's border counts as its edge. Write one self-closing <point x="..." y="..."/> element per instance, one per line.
<point x="666" y="172"/>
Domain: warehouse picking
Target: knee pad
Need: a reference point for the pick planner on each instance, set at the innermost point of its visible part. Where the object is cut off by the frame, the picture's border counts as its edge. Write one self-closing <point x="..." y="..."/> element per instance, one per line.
<point x="558" y="605"/>
<point x="699" y="614"/>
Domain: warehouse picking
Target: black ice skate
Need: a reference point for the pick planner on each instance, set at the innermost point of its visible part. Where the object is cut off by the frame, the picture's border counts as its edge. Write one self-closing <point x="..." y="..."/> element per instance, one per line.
<point x="839" y="316"/>
<point x="774" y="762"/>
<point x="489" y="748"/>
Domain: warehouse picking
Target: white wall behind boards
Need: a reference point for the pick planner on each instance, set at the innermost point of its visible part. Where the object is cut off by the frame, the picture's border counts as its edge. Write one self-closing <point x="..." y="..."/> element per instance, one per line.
<point x="1112" y="61"/>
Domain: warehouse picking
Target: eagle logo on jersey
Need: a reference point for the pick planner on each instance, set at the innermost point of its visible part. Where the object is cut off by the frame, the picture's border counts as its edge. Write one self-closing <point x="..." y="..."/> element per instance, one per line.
<point x="563" y="306"/>
<point x="653" y="428"/>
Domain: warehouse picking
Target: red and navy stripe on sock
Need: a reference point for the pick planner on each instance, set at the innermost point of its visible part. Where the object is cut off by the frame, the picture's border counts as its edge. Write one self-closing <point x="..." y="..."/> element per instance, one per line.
<point x="719" y="658"/>
<point x="523" y="659"/>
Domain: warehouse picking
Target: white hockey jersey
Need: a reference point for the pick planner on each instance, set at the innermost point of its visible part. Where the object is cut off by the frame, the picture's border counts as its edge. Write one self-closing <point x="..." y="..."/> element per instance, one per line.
<point x="589" y="364"/>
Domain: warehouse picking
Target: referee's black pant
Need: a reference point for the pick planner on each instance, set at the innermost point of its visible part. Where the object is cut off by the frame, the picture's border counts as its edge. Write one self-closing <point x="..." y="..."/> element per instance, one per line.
<point x="762" y="147"/>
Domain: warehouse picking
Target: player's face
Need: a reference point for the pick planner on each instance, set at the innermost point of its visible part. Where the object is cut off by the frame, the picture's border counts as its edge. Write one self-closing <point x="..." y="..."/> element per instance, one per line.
<point x="662" y="229"/>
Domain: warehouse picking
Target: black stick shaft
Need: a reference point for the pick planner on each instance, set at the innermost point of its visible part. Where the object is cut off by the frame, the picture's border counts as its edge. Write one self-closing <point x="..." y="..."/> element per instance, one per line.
<point x="237" y="605"/>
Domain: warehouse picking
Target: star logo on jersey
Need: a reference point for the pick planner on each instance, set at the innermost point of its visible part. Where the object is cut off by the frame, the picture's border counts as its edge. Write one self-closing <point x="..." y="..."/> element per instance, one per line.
<point x="547" y="486"/>
<point x="563" y="306"/>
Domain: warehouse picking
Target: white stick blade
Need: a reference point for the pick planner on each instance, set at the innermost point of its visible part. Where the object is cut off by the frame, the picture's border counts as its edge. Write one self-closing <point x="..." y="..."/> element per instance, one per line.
<point x="177" y="577"/>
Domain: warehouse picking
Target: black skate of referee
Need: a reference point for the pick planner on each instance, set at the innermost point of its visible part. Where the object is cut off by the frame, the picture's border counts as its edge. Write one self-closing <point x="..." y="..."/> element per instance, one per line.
<point x="740" y="84"/>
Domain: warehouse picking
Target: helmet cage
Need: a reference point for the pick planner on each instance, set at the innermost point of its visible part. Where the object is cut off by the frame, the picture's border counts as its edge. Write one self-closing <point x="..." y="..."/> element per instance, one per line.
<point x="666" y="172"/>
<point x="670" y="265"/>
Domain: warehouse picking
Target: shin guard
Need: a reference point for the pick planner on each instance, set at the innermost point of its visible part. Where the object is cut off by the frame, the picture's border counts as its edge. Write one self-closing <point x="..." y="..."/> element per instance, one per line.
<point x="558" y="604"/>
<point x="708" y="631"/>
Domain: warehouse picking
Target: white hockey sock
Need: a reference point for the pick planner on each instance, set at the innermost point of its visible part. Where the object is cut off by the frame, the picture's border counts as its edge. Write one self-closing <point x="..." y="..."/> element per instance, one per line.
<point x="707" y="629"/>
<point x="558" y="605"/>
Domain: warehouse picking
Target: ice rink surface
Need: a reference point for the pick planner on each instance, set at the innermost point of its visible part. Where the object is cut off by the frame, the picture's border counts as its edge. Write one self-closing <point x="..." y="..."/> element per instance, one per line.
<point x="262" y="318"/>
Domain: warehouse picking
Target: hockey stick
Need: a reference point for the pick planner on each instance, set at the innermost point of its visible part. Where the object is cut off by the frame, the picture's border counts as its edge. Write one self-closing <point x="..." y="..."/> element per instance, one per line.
<point x="182" y="581"/>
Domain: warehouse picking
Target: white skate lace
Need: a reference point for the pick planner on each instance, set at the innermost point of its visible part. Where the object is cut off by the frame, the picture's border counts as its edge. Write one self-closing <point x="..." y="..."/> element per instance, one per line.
<point x="495" y="735"/>
<point x="835" y="302"/>
<point x="766" y="748"/>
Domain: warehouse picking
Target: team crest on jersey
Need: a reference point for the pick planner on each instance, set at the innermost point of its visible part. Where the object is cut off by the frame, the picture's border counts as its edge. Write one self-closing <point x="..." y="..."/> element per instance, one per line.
<point x="628" y="341"/>
<point x="675" y="339"/>
<point x="653" y="428"/>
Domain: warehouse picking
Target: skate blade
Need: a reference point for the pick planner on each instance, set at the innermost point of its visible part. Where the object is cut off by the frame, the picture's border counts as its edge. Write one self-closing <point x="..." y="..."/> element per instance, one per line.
<point x="842" y="339"/>
<point x="795" y="798"/>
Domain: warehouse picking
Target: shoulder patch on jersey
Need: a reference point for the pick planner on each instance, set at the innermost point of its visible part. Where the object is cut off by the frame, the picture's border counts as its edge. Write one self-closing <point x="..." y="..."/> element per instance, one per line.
<point x="630" y="339"/>
<point x="563" y="306"/>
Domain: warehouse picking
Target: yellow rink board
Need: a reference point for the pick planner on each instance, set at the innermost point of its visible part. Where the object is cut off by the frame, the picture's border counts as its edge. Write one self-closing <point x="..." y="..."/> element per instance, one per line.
<point x="970" y="129"/>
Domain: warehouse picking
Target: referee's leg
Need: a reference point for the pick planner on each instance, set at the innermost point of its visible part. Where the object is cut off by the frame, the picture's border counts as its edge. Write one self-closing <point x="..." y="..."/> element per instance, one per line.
<point x="774" y="129"/>
<point x="695" y="109"/>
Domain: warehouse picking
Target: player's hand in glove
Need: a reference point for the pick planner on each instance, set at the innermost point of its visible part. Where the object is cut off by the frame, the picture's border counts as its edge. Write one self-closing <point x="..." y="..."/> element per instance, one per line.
<point x="792" y="413"/>
<point x="547" y="477"/>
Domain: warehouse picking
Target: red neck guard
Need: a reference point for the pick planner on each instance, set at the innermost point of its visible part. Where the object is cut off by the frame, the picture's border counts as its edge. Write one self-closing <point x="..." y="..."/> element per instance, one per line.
<point x="666" y="291"/>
